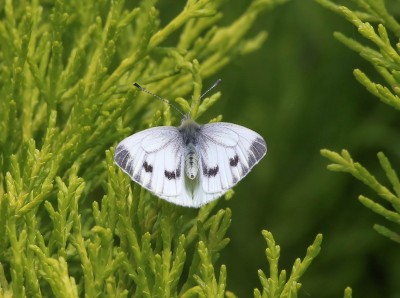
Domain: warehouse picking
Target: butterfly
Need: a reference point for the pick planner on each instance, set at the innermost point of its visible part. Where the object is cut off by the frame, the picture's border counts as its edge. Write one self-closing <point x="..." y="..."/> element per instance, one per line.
<point x="190" y="165"/>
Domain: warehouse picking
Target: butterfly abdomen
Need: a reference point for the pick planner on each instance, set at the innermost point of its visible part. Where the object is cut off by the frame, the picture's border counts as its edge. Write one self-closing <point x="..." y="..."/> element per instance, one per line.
<point x="190" y="131"/>
<point x="191" y="164"/>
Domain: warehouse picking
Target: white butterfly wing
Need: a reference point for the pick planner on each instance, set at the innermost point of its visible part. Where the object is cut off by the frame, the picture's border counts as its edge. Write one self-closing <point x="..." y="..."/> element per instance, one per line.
<point x="154" y="159"/>
<point x="227" y="154"/>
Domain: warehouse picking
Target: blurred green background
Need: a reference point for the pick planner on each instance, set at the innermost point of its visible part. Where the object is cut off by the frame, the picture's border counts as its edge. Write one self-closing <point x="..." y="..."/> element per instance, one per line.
<point x="298" y="91"/>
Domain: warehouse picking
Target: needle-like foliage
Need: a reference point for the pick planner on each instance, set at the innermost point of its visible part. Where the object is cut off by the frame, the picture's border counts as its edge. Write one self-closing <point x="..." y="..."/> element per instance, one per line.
<point x="371" y="22"/>
<point x="378" y="44"/>
<point x="71" y="223"/>
<point x="277" y="284"/>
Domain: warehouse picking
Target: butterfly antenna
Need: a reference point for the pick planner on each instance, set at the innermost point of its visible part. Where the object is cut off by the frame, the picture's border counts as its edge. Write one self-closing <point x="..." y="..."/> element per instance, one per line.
<point x="212" y="87"/>
<point x="208" y="90"/>
<point x="159" y="97"/>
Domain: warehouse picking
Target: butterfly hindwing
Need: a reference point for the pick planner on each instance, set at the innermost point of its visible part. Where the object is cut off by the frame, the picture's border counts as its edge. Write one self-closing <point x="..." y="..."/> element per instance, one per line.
<point x="227" y="153"/>
<point x="154" y="159"/>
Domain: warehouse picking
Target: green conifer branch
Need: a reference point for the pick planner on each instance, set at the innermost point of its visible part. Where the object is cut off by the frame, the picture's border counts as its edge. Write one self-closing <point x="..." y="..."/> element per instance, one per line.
<point x="387" y="233"/>
<point x="344" y="163"/>
<point x="276" y="285"/>
<point x="385" y="57"/>
<point x="66" y="98"/>
<point x="348" y="292"/>
<point x="55" y="272"/>
<point x="386" y="60"/>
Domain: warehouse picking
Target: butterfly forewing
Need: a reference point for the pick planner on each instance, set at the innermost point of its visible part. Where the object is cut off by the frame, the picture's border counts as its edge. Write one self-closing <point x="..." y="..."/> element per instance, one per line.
<point x="153" y="158"/>
<point x="227" y="154"/>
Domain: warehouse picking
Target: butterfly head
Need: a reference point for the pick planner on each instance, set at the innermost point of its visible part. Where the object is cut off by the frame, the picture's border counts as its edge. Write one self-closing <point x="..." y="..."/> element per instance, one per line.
<point x="189" y="124"/>
<point x="185" y="117"/>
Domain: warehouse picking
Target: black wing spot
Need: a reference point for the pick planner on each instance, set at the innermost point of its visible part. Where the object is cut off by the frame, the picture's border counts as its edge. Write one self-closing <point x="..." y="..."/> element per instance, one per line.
<point x="170" y="175"/>
<point x="234" y="161"/>
<point x="147" y="167"/>
<point x="212" y="172"/>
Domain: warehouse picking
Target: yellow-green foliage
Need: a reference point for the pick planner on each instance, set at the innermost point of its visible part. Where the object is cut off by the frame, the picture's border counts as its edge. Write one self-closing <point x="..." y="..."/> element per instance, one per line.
<point x="71" y="223"/>
<point x="386" y="60"/>
<point x="276" y="285"/>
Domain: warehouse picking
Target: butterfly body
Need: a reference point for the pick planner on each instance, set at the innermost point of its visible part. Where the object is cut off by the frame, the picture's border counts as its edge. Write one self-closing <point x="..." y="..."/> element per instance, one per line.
<point x="190" y="132"/>
<point x="192" y="164"/>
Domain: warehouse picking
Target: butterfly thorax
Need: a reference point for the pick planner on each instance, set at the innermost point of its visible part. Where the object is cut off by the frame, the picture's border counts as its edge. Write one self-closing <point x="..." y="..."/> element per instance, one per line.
<point x="190" y="132"/>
